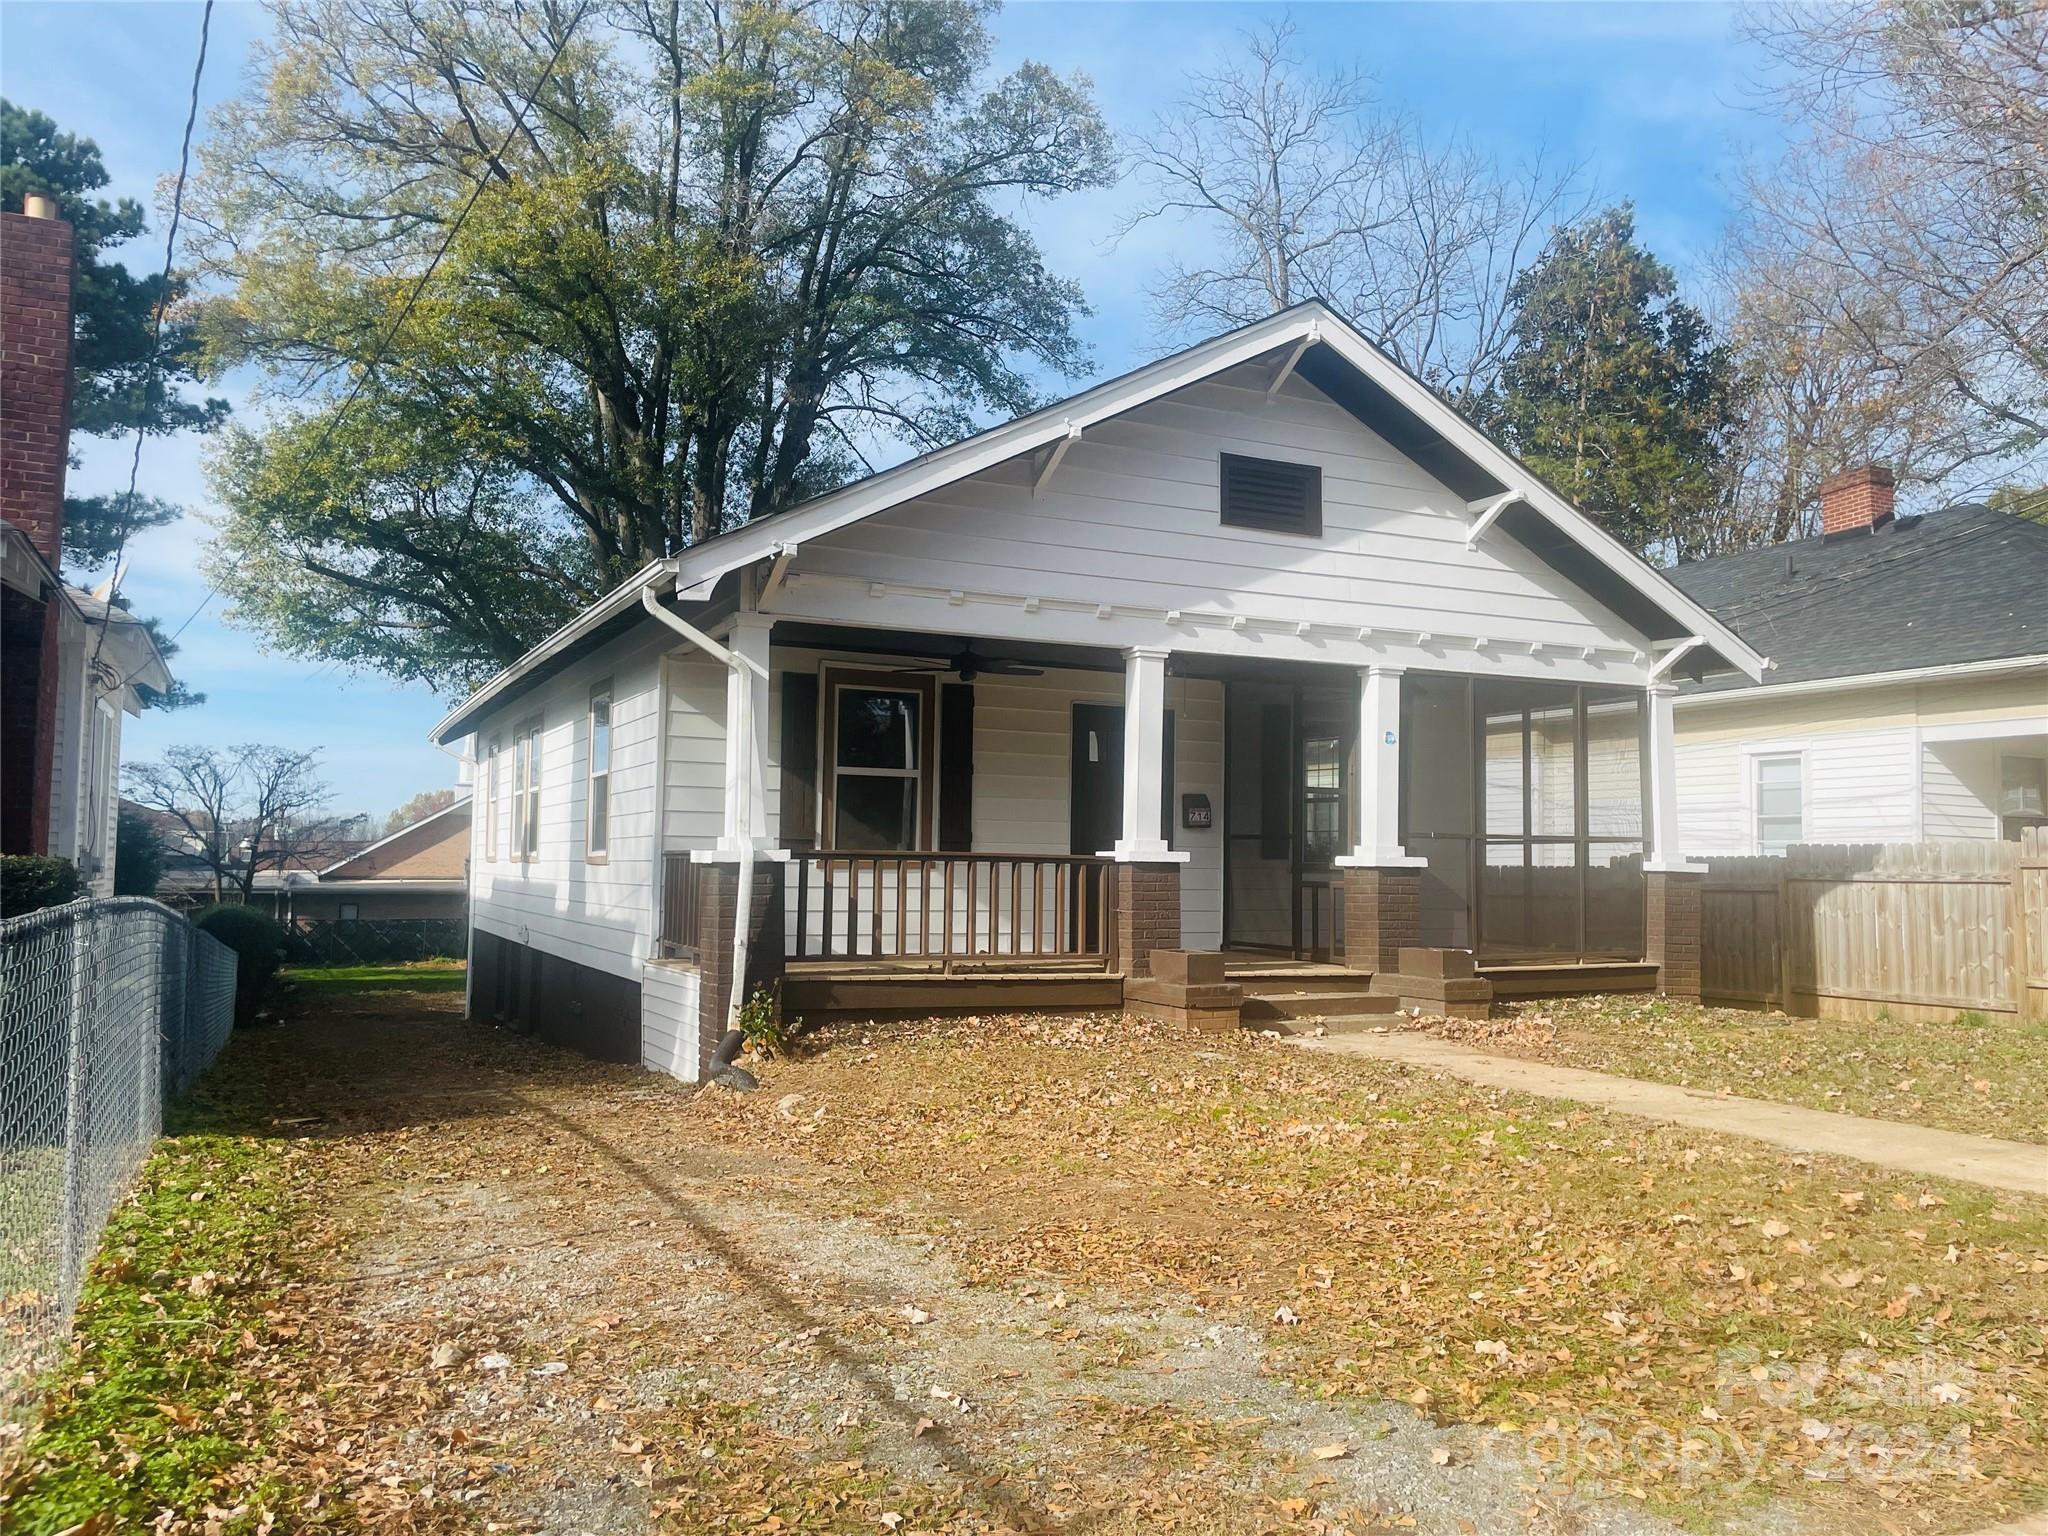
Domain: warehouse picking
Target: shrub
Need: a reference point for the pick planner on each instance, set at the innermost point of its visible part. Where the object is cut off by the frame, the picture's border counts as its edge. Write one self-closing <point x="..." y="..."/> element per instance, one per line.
<point x="258" y="943"/>
<point x="138" y="855"/>
<point x="29" y="883"/>
<point x="760" y="1020"/>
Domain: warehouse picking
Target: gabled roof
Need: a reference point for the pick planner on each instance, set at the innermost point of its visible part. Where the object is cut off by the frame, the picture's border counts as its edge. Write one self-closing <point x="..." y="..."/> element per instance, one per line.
<point x="339" y="868"/>
<point x="1951" y="588"/>
<point x="1327" y="352"/>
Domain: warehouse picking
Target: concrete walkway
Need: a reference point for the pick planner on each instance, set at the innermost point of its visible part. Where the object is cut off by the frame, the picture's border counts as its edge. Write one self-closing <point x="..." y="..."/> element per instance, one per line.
<point x="1985" y="1160"/>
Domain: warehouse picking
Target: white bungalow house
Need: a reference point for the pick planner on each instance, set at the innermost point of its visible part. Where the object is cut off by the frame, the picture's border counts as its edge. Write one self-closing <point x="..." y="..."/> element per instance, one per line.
<point x="1259" y="649"/>
<point x="1908" y="694"/>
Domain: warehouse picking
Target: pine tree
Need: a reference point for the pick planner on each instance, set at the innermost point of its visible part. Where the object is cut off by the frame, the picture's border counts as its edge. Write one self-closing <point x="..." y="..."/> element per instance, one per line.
<point x="1617" y="392"/>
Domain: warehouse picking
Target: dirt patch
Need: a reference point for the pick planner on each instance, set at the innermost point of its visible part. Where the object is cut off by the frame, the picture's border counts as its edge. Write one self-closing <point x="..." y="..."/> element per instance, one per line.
<point x="1078" y="1276"/>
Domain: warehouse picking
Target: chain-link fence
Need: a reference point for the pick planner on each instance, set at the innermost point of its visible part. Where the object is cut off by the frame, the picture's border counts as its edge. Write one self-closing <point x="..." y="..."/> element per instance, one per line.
<point x="107" y="1010"/>
<point x="376" y="941"/>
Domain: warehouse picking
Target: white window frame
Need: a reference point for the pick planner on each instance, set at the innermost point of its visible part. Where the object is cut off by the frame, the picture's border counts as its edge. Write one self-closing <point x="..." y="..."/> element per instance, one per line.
<point x="491" y="787"/>
<point x="597" y="840"/>
<point x="526" y="739"/>
<point x="923" y="777"/>
<point x="2000" y="814"/>
<point x="1753" y="792"/>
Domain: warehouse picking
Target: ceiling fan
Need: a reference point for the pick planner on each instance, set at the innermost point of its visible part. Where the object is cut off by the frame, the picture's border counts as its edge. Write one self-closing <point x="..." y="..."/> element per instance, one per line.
<point x="970" y="664"/>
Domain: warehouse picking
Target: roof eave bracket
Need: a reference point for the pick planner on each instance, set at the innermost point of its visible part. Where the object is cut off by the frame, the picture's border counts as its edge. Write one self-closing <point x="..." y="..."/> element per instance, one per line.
<point x="1489" y="510"/>
<point x="1286" y="370"/>
<point x="1049" y="459"/>
<point x="1671" y="657"/>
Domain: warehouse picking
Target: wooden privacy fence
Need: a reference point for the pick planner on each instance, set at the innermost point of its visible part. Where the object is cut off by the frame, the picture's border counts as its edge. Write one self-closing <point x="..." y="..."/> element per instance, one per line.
<point x="1922" y="929"/>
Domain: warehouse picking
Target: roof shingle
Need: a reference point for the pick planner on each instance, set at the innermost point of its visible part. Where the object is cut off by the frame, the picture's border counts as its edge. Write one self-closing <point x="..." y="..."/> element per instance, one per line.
<point x="1961" y="585"/>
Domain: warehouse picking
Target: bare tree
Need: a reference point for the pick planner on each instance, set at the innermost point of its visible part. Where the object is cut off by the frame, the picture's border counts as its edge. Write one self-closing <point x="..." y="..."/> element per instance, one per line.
<point x="1302" y="186"/>
<point x="428" y="802"/>
<point x="1904" y="240"/>
<point x="246" y="810"/>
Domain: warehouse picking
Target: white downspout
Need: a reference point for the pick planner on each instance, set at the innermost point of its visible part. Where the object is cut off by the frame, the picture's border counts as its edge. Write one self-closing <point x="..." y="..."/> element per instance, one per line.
<point x="739" y="719"/>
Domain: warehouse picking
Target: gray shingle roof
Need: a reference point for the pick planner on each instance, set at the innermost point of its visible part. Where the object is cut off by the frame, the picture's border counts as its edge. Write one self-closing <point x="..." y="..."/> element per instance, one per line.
<point x="1961" y="585"/>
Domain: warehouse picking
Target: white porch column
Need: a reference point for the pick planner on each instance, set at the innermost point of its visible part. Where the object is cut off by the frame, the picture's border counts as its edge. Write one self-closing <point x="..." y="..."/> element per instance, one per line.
<point x="1379" y="773"/>
<point x="1144" y="758"/>
<point x="746" y="735"/>
<point x="1661" y="849"/>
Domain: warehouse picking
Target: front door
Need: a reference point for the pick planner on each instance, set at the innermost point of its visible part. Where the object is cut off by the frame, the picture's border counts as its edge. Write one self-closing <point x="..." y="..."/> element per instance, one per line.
<point x="1095" y="802"/>
<point x="1287" y="798"/>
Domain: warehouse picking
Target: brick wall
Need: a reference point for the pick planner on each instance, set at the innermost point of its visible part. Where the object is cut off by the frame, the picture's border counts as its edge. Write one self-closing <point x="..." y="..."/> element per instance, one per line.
<point x="1671" y="932"/>
<point x="714" y="911"/>
<point x="1147" y="914"/>
<point x="35" y="376"/>
<point x="1382" y="917"/>
<point x="1856" y="498"/>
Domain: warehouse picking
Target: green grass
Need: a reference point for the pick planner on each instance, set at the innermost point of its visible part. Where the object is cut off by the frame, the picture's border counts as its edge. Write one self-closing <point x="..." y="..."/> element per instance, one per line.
<point x="164" y="1404"/>
<point x="1974" y="1073"/>
<point x="323" y="981"/>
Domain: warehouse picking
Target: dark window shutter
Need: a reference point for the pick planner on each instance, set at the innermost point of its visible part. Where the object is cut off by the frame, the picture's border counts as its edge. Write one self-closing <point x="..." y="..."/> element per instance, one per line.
<point x="1267" y="494"/>
<point x="956" y="768"/>
<point x="800" y="760"/>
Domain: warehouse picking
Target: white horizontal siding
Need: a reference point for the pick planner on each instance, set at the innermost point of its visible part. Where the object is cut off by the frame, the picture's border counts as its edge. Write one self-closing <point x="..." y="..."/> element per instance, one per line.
<point x="1713" y="801"/>
<point x="1859" y="786"/>
<point x="1959" y="788"/>
<point x="668" y="1020"/>
<point x="1132" y="516"/>
<point x="596" y="914"/>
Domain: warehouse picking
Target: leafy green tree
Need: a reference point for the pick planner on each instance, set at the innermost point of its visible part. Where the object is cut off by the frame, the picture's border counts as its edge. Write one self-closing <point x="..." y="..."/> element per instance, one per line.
<point x="730" y="256"/>
<point x="1617" y="392"/>
<point x="114" y="390"/>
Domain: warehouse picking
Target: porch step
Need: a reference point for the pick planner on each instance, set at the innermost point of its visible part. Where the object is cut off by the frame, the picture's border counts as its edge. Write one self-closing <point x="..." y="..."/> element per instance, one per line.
<point x="1328" y="1005"/>
<point x="1284" y="981"/>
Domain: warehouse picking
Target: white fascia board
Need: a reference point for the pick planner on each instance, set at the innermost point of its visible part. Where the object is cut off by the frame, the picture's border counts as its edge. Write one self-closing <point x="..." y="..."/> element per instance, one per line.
<point x="409" y="884"/>
<point x="1953" y="670"/>
<point x="1597" y="541"/>
<point x="610" y="606"/>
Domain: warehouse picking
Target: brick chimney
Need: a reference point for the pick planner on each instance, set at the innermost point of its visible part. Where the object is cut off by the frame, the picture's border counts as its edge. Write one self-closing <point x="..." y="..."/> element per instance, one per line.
<point x="35" y="371"/>
<point x="1857" y="500"/>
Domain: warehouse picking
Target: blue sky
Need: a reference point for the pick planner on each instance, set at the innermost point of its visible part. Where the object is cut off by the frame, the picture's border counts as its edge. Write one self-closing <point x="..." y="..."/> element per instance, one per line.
<point x="1655" y="99"/>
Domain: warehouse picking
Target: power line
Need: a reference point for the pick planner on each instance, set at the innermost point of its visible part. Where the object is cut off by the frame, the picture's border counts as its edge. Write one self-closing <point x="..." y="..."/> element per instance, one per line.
<point x="213" y="588"/>
<point x="150" y="375"/>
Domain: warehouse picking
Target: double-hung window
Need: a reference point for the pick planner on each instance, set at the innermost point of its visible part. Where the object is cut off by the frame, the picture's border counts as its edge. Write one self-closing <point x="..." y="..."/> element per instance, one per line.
<point x="598" y="824"/>
<point x="2022" y="795"/>
<point x="1780" y="801"/>
<point x="526" y="792"/>
<point x="879" y="753"/>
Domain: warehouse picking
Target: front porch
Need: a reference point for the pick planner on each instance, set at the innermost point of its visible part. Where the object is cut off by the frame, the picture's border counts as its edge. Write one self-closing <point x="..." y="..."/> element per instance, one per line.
<point x="946" y="824"/>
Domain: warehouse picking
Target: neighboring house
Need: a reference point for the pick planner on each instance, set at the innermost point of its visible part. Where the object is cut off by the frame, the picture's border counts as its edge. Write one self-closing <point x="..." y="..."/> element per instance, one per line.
<point x="1908" y="692"/>
<point x="1260" y="648"/>
<point x="416" y="872"/>
<point x="71" y="663"/>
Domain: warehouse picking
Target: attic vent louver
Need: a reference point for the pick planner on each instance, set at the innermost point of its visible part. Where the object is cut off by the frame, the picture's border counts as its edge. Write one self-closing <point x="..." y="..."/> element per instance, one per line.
<point x="1272" y="496"/>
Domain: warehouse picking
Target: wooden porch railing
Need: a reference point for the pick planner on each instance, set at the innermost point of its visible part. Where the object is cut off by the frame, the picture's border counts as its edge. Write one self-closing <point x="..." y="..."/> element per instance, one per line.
<point x="678" y="906"/>
<point x="945" y="907"/>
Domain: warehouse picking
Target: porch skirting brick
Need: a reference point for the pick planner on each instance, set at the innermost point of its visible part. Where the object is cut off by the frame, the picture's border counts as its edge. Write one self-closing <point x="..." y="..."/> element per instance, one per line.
<point x="1382" y="916"/>
<point x="1671" y="931"/>
<point x="1147" y="914"/>
<point x="717" y="904"/>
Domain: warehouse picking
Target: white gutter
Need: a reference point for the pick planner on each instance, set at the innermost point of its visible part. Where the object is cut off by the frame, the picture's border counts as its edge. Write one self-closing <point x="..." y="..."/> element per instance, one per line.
<point x="606" y="608"/>
<point x="743" y="790"/>
<point x="1960" y="669"/>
